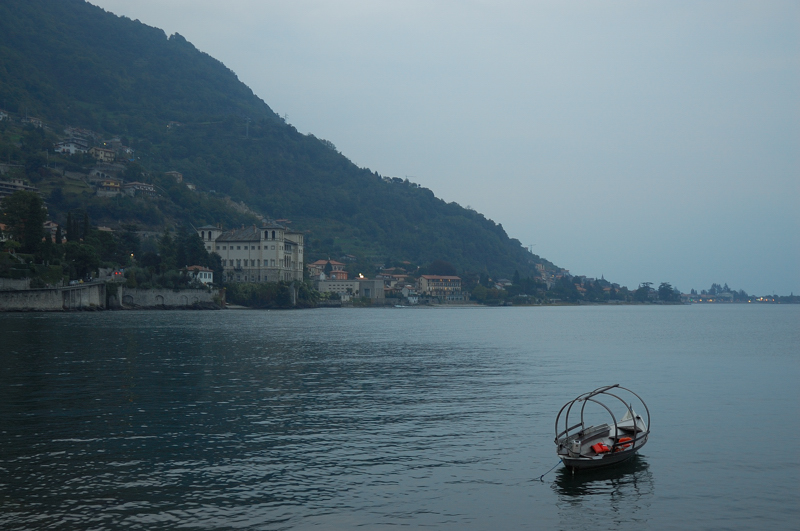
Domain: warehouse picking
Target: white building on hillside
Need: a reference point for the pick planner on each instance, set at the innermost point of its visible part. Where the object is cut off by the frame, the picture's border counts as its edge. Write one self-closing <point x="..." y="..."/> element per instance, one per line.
<point x="269" y="253"/>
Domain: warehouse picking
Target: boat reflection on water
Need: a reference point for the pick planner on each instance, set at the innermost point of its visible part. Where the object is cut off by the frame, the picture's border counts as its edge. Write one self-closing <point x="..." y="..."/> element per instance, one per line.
<point x="622" y="493"/>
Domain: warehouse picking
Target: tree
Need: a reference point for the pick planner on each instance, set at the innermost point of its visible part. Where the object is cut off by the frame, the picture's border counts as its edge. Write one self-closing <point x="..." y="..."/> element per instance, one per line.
<point x="190" y="250"/>
<point x="70" y="233"/>
<point x="24" y="214"/>
<point x="665" y="292"/>
<point x="129" y="243"/>
<point x="83" y="258"/>
<point x="642" y="293"/>
<point x="76" y="231"/>
<point x="166" y="250"/>
<point x="441" y="267"/>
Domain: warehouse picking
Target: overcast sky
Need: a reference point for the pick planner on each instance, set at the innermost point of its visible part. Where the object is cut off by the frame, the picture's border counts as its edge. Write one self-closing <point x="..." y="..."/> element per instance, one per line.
<point x="642" y="141"/>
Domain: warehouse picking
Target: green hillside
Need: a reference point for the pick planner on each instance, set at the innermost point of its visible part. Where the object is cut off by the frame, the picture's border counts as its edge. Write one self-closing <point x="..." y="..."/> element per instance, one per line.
<point x="72" y="64"/>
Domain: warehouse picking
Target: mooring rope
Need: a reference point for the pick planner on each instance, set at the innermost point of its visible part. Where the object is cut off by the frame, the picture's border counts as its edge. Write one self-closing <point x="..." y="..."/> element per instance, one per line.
<point x="554" y="466"/>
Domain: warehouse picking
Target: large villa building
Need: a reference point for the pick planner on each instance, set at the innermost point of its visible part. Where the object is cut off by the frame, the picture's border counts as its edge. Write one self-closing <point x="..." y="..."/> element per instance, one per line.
<point x="444" y="287"/>
<point x="270" y="253"/>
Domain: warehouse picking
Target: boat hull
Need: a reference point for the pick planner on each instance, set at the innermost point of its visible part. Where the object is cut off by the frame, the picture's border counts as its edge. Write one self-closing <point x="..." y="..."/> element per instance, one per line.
<point x="585" y="463"/>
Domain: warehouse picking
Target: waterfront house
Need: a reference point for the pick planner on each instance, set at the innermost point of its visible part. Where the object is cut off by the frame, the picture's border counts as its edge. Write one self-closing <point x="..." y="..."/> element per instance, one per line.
<point x="335" y="271"/>
<point x="355" y="288"/>
<point x="201" y="274"/>
<point x="269" y="253"/>
<point x="446" y="288"/>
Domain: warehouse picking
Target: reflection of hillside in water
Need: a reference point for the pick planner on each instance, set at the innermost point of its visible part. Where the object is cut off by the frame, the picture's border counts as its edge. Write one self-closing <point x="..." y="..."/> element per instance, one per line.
<point x="620" y="494"/>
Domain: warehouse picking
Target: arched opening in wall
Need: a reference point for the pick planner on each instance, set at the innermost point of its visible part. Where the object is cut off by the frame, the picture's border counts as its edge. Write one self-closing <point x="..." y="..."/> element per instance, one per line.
<point x="127" y="300"/>
<point x="159" y="300"/>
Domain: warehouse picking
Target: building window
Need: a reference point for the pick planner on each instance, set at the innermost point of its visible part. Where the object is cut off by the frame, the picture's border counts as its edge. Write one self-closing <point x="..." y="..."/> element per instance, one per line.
<point x="223" y="263"/>
<point x="238" y="247"/>
<point x="252" y="263"/>
<point x="273" y="235"/>
<point x="238" y="262"/>
<point x="273" y="247"/>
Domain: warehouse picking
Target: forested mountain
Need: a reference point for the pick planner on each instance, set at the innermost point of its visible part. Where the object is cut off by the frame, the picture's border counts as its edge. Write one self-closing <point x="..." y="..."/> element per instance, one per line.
<point x="73" y="64"/>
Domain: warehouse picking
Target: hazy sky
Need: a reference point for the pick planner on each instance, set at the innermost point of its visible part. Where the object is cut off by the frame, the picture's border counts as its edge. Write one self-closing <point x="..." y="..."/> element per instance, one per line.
<point x="644" y="141"/>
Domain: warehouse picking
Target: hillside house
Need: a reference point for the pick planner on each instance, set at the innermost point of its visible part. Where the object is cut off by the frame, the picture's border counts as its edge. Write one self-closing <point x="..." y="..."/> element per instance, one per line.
<point x="269" y="253"/>
<point x="109" y="187"/>
<point x="178" y="176"/>
<point x="136" y="188"/>
<point x="72" y="146"/>
<point x="51" y="228"/>
<point x="102" y="154"/>
<point x="113" y="144"/>
<point x="14" y="185"/>
<point x="36" y="122"/>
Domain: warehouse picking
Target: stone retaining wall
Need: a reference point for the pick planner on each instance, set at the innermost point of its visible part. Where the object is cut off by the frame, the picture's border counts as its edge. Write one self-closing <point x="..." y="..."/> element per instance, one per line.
<point x="14" y="283"/>
<point x="82" y="297"/>
<point x="92" y="296"/>
<point x="166" y="298"/>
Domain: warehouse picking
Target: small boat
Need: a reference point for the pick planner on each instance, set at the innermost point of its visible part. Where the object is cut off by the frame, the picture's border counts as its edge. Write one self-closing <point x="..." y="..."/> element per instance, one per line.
<point x="583" y="447"/>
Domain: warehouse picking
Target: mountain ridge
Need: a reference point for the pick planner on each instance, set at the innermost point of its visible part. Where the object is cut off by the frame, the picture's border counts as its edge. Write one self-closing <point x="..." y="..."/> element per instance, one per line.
<point x="76" y="64"/>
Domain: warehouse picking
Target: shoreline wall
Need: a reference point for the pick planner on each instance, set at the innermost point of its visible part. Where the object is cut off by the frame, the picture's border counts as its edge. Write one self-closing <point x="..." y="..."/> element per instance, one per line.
<point x="14" y="283"/>
<point x="99" y="296"/>
<point x="128" y="298"/>
<point x="81" y="297"/>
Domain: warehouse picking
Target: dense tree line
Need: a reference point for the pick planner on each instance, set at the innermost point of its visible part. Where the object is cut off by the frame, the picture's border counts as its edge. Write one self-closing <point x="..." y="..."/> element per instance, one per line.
<point x="272" y="295"/>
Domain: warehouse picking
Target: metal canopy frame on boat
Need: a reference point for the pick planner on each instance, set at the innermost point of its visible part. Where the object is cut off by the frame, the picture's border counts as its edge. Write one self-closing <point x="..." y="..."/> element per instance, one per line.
<point x="575" y="436"/>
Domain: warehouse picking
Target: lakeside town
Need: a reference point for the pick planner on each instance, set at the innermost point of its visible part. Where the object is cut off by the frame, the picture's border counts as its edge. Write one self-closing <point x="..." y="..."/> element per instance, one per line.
<point x="60" y="259"/>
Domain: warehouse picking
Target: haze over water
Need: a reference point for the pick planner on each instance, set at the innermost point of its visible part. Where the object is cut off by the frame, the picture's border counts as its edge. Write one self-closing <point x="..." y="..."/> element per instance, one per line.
<point x="331" y="419"/>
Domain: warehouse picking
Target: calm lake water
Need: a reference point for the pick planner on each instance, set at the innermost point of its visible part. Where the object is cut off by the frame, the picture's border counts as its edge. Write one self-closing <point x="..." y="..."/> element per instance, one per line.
<point x="439" y="418"/>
